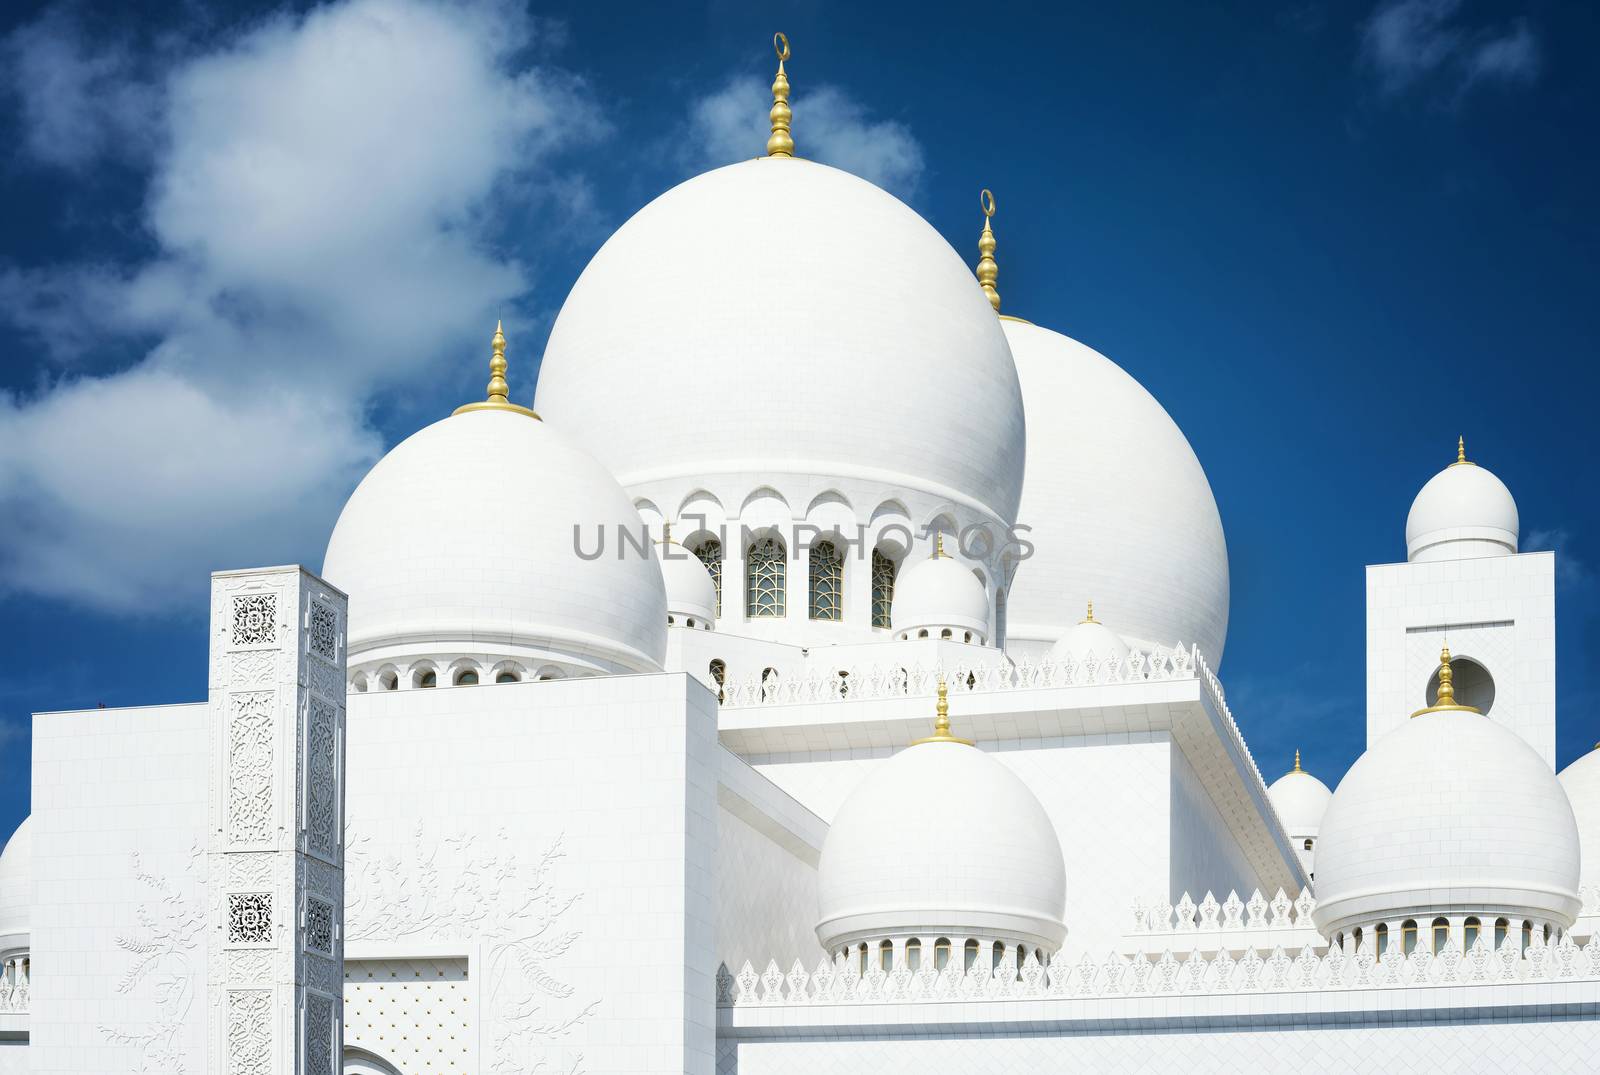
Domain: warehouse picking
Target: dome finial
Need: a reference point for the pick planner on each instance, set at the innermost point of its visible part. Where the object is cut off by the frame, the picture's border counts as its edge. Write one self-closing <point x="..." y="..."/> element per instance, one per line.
<point x="780" y="144"/>
<point x="938" y="544"/>
<point x="1461" y="453"/>
<point x="988" y="271"/>
<point x="1446" y="701"/>
<point x="666" y="531"/>
<point x="941" y="721"/>
<point x="1088" y="615"/>
<point x="1297" y="768"/>
<point x="498" y="396"/>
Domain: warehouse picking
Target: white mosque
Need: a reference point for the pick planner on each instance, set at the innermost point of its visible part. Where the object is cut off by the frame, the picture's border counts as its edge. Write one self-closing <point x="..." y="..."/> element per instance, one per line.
<point x="818" y="677"/>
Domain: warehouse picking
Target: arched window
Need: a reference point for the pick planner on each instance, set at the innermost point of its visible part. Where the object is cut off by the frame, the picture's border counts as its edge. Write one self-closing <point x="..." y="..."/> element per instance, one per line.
<point x="997" y="955"/>
<point x="1501" y="928"/>
<point x="507" y="676"/>
<point x="719" y="676"/>
<point x="1441" y="934"/>
<point x="886" y="956"/>
<point x="1355" y="939"/>
<point x="1469" y="932"/>
<point x="1308" y="843"/>
<point x="913" y="955"/>
<point x="467" y="677"/>
<point x="1381" y="933"/>
<point x="1408" y="936"/>
<point x="425" y="677"/>
<point x="360" y="683"/>
<point x="945" y="634"/>
<point x="710" y="553"/>
<point x="883" y="573"/>
<point x="766" y="579"/>
<point x="969" y="955"/>
<point x="827" y="582"/>
<point x="1527" y="936"/>
<point x="861" y="959"/>
<point x="941" y="953"/>
<point x="389" y="681"/>
<point x="769" y="684"/>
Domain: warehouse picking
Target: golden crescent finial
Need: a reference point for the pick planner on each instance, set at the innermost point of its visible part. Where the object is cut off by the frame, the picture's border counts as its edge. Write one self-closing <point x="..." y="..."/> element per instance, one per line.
<point x="1461" y="453"/>
<point x="988" y="271"/>
<point x="938" y="544"/>
<point x="1297" y="768"/>
<point x="498" y="396"/>
<point x="941" y="722"/>
<point x="1446" y="701"/>
<point x="780" y="143"/>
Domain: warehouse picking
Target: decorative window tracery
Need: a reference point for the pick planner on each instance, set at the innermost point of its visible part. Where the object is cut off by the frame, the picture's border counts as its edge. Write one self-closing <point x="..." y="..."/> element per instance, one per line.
<point x="827" y="582"/>
<point x="710" y="553"/>
<point x="255" y="619"/>
<point x="319" y="926"/>
<point x="883" y="573"/>
<point x="767" y="579"/>
<point x="249" y="918"/>
<point x="324" y="631"/>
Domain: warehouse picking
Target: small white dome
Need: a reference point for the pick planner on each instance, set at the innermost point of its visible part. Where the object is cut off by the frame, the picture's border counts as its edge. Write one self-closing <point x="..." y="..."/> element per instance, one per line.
<point x="1117" y="504"/>
<point x="478" y="535"/>
<point x="1089" y="639"/>
<point x="1450" y="813"/>
<point x="795" y="326"/>
<point x="1300" y="800"/>
<point x="16" y="882"/>
<point x="941" y="840"/>
<point x="1581" y="781"/>
<point x="691" y="595"/>
<point x="1464" y="511"/>
<point x="938" y="593"/>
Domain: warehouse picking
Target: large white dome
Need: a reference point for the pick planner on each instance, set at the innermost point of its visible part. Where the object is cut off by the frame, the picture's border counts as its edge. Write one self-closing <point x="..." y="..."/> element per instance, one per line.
<point x="1463" y="511"/>
<point x="1120" y="510"/>
<point x="466" y="539"/>
<point x="1581" y="781"/>
<point x="782" y="318"/>
<point x="1300" y="800"/>
<point x="941" y="840"/>
<point x="1448" y="814"/>
<point x="16" y="883"/>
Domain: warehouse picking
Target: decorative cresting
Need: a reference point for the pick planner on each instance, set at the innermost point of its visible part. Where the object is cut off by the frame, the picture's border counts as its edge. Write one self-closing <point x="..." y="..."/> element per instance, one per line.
<point x="1461" y="454"/>
<point x="988" y="271"/>
<point x="1256" y="915"/>
<point x="941" y="721"/>
<point x="1446" y="702"/>
<point x="1256" y="965"/>
<point x="779" y="143"/>
<point x="498" y="397"/>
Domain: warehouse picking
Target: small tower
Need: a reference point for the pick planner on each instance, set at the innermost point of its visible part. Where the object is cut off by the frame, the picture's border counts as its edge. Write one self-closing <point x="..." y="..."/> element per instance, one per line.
<point x="1464" y="588"/>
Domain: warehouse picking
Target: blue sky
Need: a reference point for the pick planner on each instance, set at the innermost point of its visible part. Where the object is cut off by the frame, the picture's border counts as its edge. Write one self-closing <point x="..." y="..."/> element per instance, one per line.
<point x="248" y="247"/>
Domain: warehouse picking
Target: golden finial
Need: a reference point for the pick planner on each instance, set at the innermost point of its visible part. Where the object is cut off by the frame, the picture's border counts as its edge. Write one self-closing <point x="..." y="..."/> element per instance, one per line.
<point x="1088" y="616"/>
<point x="1446" y="702"/>
<point x="780" y="144"/>
<point x="1461" y="454"/>
<point x="498" y="396"/>
<point x="938" y="545"/>
<point x="1297" y="768"/>
<point x="666" y="532"/>
<point x="988" y="271"/>
<point x="941" y="722"/>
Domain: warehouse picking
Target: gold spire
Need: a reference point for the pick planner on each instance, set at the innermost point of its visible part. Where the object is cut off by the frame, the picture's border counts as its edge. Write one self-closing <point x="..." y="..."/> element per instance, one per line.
<point x="779" y="144"/>
<point x="988" y="271"/>
<point x="938" y="545"/>
<point x="1446" y="702"/>
<point x="1297" y="768"/>
<point x="666" y="532"/>
<point x="941" y="722"/>
<point x="498" y="395"/>
<point x="1461" y="454"/>
<point x="1088" y="617"/>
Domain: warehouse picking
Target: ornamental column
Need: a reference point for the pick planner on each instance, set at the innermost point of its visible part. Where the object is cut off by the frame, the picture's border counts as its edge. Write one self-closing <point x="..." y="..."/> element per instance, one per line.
<point x="275" y="832"/>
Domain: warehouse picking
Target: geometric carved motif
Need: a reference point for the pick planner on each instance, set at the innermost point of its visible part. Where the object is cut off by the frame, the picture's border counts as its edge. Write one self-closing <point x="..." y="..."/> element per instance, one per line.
<point x="249" y="918"/>
<point x="255" y="619"/>
<point x="322" y="791"/>
<point x="324" y="631"/>
<point x="250" y="767"/>
<point x="319" y="1035"/>
<point x="319" y="926"/>
<point x="249" y="1032"/>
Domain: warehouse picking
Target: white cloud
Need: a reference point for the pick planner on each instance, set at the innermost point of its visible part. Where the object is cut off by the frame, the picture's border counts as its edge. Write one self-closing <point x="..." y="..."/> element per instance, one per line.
<point x="829" y="126"/>
<point x="1572" y="571"/>
<point x="323" y="202"/>
<point x="1408" y="43"/>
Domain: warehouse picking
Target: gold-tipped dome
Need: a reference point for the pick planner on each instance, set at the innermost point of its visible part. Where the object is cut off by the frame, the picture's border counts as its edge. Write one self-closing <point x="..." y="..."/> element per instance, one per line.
<point x="1446" y="702"/>
<point x="498" y="394"/>
<point x="779" y="143"/>
<point x="988" y="270"/>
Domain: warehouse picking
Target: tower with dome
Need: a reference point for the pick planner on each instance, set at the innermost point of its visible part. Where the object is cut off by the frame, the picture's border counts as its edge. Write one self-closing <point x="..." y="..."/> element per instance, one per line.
<point x="700" y="715"/>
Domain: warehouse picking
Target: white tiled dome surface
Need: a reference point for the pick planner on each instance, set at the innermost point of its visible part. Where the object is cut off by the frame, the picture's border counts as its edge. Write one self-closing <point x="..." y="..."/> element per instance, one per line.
<point x="16" y="880"/>
<point x="1450" y="813"/>
<point x="781" y="317"/>
<point x="940" y="592"/>
<point x="945" y="841"/>
<point x="1301" y="800"/>
<point x="1120" y="508"/>
<point x="1581" y="781"/>
<point x="1462" y="511"/>
<point x="462" y="539"/>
